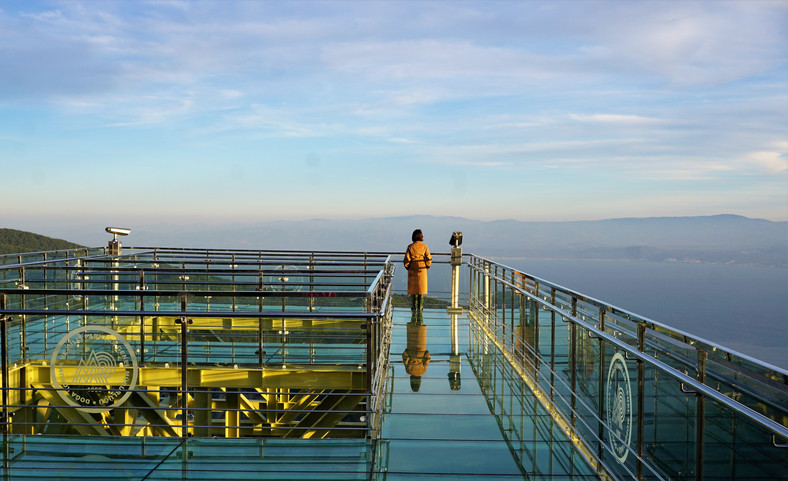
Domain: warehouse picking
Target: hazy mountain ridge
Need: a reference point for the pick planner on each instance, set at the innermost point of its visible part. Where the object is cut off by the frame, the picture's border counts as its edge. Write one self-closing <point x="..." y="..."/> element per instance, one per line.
<point x="14" y="241"/>
<point x="723" y="239"/>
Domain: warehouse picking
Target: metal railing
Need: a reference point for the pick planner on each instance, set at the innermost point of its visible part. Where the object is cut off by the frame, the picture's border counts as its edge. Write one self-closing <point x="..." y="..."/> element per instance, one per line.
<point x="177" y="342"/>
<point x="539" y="449"/>
<point x="640" y="399"/>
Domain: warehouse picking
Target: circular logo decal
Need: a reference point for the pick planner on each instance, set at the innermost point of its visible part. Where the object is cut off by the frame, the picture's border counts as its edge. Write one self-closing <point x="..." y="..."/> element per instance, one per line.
<point x="94" y="369"/>
<point x="618" y="401"/>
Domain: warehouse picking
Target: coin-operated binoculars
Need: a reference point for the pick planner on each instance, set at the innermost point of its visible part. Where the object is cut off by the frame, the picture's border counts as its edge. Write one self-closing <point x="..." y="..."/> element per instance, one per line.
<point x="115" y="247"/>
<point x="456" y="262"/>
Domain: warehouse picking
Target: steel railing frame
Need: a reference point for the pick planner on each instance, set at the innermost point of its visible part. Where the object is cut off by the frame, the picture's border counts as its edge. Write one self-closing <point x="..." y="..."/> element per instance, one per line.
<point x="485" y="304"/>
<point x="375" y="315"/>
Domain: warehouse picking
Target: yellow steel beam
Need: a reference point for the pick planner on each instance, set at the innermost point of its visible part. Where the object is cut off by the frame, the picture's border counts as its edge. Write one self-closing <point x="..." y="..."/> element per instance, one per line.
<point x="341" y="408"/>
<point x="304" y="403"/>
<point x="159" y="423"/>
<point x="125" y="418"/>
<point x="286" y="392"/>
<point x="252" y="412"/>
<point x="326" y="415"/>
<point x="142" y="415"/>
<point x="167" y="324"/>
<point x="345" y="378"/>
<point x="81" y="422"/>
<point x="232" y="415"/>
<point x="203" y="412"/>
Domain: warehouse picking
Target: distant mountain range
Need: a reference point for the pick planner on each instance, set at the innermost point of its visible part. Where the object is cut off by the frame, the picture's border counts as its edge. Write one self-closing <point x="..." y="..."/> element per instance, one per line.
<point x="16" y="241"/>
<point x="708" y="239"/>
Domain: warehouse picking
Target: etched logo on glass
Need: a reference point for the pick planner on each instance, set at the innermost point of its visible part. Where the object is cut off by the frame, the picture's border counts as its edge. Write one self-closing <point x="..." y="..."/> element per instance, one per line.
<point x="94" y="368"/>
<point x="618" y="403"/>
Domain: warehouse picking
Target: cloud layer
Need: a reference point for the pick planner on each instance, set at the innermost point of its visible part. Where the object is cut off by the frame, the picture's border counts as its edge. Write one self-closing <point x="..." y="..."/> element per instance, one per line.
<point x="595" y="100"/>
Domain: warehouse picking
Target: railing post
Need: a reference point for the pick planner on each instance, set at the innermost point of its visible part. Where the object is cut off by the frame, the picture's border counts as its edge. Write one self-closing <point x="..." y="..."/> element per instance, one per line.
<point x="370" y="360"/>
<point x="456" y="262"/>
<point x="486" y="290"/>
<point x="700" y="416"/>
<point x="473" y="287"/>
<point x="142" y="319"/>
<point x="311" y="281"/>
<point x="641" y="394"/>
<point x="4" y="346"/>
<point x="601" y="384"/>
<point x="573" y="363"/>
<point x="536" y="328"/>
<point x="260" y="323"/>
<point x="552" y="348"/>
<point x="23" y="330"/>
<point x="184" y="322"/>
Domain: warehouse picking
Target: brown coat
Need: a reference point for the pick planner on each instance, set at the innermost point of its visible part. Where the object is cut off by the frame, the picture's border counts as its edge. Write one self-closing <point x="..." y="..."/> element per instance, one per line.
<point x="417" y="261"/>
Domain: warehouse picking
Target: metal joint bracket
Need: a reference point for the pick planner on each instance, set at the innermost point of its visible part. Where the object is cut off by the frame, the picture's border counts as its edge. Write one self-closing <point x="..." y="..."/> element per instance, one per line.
<point x="626" y="356"/>
<point x="776" y="444"/>
<point x="687" y="391"/>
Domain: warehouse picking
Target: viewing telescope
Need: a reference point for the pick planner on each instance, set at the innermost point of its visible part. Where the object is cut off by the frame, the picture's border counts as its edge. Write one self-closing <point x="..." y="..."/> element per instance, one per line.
<point x="114" y="247"/>
<point x="118" y="230"/>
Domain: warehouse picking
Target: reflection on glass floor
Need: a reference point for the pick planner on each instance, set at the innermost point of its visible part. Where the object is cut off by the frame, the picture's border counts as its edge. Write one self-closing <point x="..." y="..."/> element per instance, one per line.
<point x="467" y="415"/>
<point x="455" y="408"/>
<point x="441" y="422"/>
<point x="55" y="458"/>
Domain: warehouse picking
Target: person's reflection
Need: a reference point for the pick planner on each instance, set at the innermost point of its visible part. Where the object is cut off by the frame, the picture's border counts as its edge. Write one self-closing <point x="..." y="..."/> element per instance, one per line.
<point x="525" y="334"/>
<point x="587" y="354"/>
<point x="416" y="357"/>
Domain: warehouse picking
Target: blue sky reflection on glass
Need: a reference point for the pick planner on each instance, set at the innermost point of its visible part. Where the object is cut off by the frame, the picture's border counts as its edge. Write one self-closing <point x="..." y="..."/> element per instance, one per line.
<point x="248" y="111"/>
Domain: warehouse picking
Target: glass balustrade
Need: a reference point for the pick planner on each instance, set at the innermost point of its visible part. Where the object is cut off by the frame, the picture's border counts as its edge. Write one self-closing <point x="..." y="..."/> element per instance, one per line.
<point x="240" y="364"/>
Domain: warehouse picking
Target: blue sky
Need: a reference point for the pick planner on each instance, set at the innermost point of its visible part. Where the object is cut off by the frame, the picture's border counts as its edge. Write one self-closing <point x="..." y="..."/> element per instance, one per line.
<point x="128" y="113"/>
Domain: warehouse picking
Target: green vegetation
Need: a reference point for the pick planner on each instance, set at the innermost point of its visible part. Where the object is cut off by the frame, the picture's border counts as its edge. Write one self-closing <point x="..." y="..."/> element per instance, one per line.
<point x="16" y="241"/>
<point x="403" y="300"/>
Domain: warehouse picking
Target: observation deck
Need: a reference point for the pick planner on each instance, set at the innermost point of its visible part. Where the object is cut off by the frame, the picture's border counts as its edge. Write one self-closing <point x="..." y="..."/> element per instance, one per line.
<point x="163" y="363"/>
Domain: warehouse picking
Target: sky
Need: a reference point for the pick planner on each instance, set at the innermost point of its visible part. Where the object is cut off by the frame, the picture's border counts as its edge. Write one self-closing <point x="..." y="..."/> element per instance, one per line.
<point x="129" y="113"/>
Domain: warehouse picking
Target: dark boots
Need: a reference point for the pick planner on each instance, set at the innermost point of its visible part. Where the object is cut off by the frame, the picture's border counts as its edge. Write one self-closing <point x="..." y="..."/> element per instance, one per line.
<point x="416" y="302"/>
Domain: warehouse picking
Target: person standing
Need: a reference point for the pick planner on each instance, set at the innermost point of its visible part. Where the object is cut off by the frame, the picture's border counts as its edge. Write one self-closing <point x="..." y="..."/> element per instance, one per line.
<point x="417" y="261"/>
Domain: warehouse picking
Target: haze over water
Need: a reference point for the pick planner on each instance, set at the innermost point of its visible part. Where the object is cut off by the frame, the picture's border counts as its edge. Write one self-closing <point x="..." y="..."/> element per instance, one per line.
<point x="740" y="307"/>
<point x="743" y="308"/>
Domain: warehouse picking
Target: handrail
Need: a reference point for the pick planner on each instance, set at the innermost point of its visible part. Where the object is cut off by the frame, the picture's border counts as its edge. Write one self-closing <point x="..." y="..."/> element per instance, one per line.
<point x="760" y="419"/>
<point x="188" y="313"/>
<point x="55" y="299"/>
<point x="636" y="317"/>
<point x="49" y="261"/>
<point x="181" y="292"/>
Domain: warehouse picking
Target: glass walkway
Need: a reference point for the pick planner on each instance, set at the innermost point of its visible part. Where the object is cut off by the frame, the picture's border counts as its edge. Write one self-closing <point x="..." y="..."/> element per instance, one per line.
<point x="153" y="363"/>
<point x="450" y="416"/>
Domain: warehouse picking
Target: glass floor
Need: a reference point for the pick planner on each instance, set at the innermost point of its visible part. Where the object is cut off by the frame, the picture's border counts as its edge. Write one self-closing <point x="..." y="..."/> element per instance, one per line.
<point x="441" y="422"/>
<point x="437" y="432"/>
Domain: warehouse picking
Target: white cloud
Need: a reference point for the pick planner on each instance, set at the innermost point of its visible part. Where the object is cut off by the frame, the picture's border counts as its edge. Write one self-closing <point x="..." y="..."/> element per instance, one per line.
<point x="693" y="42"/>
<point x="230" y="94"/>
<point x="454" y="61"/>
<point x="272" y="122"/>
<point x="616" y="119"/>
<point x="769" y="161"/>
<point x="655" y="90"/>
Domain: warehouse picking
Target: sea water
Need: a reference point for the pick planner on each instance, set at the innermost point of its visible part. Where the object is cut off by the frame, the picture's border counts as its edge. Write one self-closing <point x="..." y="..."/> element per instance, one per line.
<point x="744" y="308"/>
<point x="741" y="307"/>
